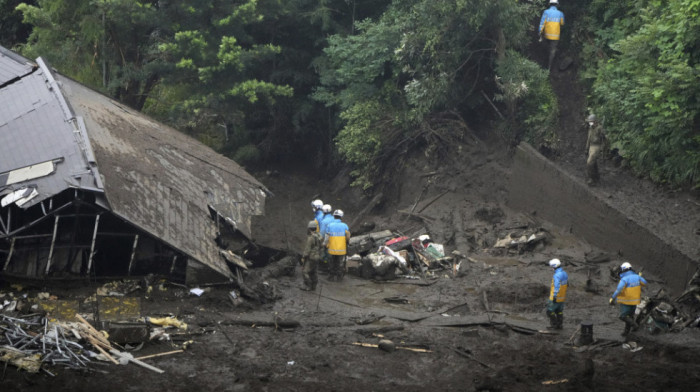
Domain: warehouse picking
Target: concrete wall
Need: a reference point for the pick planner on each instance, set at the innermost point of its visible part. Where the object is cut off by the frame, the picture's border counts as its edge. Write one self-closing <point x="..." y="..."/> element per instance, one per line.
<point x="538" y="186"/>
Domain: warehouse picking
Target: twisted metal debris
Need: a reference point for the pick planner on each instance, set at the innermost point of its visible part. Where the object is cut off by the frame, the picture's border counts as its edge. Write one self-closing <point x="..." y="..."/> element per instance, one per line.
<point x="31" y="341"/>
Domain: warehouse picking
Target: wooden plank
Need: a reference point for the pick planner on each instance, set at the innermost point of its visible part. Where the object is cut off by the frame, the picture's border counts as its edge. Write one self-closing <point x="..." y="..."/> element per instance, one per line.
<point x="160" y="354"/>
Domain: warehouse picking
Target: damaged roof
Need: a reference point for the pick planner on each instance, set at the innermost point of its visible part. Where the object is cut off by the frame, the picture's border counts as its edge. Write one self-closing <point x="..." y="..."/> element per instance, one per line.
<point x="12" y="66"/>
<point x="151" y="175"/>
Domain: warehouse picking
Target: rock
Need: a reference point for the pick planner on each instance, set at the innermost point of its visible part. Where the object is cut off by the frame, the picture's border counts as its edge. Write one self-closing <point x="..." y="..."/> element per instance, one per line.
<point x="387" y="345"/>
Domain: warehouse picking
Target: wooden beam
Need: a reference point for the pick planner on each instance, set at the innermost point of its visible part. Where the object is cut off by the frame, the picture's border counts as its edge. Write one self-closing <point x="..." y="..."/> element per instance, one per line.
<point x="92" y="246"/>
<point x="9" y="255"/>
<point x="133" y="253"/>
<point x="53" y="242"/>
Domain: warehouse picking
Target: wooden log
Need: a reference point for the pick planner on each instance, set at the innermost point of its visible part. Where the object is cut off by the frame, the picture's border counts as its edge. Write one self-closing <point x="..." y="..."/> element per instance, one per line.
<point x="376" y="200"/>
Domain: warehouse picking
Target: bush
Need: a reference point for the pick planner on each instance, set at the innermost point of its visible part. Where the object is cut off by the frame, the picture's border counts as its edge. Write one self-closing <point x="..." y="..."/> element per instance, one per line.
<point x="531" y="105"/>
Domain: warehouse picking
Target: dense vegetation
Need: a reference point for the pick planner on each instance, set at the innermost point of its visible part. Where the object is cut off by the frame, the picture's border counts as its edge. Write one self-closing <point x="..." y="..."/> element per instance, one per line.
<point x="327" y="81"/>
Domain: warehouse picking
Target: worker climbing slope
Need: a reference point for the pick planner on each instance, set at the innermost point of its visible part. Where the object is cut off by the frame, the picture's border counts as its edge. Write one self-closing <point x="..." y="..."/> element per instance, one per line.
<point x="594" y="145"/>
<point x="550" y="28"/>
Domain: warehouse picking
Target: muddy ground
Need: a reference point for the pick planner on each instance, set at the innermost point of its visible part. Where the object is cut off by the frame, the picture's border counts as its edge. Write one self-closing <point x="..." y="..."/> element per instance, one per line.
<point x="479" y="329"/>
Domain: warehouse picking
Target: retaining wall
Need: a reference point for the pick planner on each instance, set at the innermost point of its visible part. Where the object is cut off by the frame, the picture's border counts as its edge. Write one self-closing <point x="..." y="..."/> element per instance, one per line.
<point x="539" y="186"/>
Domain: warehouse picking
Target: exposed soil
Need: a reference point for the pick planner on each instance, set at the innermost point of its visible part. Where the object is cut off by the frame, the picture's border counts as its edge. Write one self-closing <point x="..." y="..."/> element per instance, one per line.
<point x="480" y="328"/>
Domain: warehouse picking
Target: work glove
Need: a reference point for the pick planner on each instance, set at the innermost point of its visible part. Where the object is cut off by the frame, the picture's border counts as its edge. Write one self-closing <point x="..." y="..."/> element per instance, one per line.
<point x="612" y="301"/>
<point x="554" y="299"/>
<point x="540" y="38"/>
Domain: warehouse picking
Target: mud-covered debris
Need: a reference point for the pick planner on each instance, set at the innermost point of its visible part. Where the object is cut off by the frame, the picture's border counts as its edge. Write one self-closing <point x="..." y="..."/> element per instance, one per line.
<point x="196" y="291"/>
<point x="118" y="288"/>
<point x="632" y="347"/>
<point x="397" y="300"/>
<point x="522" y="241"/>
<point x="167" y="322"/>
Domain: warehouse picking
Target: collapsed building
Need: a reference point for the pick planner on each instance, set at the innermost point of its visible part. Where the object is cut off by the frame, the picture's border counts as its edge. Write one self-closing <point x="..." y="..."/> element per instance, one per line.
<point x="92" y="188"/>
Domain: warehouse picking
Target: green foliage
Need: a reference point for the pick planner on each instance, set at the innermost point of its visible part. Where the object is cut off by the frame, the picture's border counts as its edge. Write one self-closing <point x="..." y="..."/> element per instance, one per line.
<point x="647" y="87"/>
<point x="532" y="107"/>
<point x="360" y="141"/>
<point x="247" y="154"/>
<point x="420" y="58"/>
<point x="106" y="44"/>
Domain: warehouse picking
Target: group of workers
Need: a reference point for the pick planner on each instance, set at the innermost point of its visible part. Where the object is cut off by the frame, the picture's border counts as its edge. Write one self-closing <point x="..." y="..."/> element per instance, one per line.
<point x="327" y="240"/>
<point x="628" y="295"/>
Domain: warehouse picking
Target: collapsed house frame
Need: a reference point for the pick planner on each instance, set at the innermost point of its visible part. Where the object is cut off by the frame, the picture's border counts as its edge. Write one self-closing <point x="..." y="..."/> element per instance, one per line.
<point x="91" y="188"/>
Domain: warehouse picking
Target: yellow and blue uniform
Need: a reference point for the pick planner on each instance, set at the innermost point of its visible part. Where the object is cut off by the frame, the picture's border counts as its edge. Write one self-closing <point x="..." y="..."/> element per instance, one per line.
<point x="557" y="297"/>
<point x="551" y="22"/>
<point x="337" y="233"/>
<point x="629" y="295"/>
<point x="560" y="283"/>
<point x="337" y="236"/>
<point x="325" y="221"/>
<point x="629" y="290"/>
<point x="318" y="215"/>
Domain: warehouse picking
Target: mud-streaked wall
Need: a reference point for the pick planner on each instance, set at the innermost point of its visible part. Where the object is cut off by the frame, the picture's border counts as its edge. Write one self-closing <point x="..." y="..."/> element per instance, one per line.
<point x="539" y="186"/>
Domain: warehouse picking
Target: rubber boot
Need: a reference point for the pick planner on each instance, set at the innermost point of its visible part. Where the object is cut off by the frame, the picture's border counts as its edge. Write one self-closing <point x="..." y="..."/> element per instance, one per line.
<point x="627" y="330"/>
<point x="629" y="324"/>
<point x="552" y="320"/>
<point x="593" y="174"/>
<point x="552" y="53"/>
<point x="560" y="321"/>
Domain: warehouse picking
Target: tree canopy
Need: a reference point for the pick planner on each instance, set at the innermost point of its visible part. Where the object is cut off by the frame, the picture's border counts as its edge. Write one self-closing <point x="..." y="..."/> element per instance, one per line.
<point x="328" y="81"/>
<point x="645" y="84"/>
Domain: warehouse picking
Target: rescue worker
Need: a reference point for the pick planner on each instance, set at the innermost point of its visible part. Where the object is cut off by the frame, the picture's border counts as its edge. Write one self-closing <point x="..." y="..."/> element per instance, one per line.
<point x="550" y="28"/>
<point x="557" y="295"/>
<point x="316" y="206"/>
<point x="323" y="224"/>
<point x="628" y="295"/>
<point x="326" y="219"/>
<point x="594" y="145"/>
<point x="336" y="240"/>
<point x="313" y="251"/>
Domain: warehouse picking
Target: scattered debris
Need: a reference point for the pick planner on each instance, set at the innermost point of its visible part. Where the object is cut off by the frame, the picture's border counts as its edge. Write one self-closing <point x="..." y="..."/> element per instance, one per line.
<point x="555" y="382"/>
<point x="415" y="350"/>
<point x="197" y="291"/>
<point x="632" y="347"/>
<point x="522" y="241"/>
<point x="167" y="322"/>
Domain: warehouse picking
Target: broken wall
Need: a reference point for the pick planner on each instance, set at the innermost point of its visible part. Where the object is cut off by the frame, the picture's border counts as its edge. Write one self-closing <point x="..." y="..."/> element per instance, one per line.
<point x="539" y="187"/>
